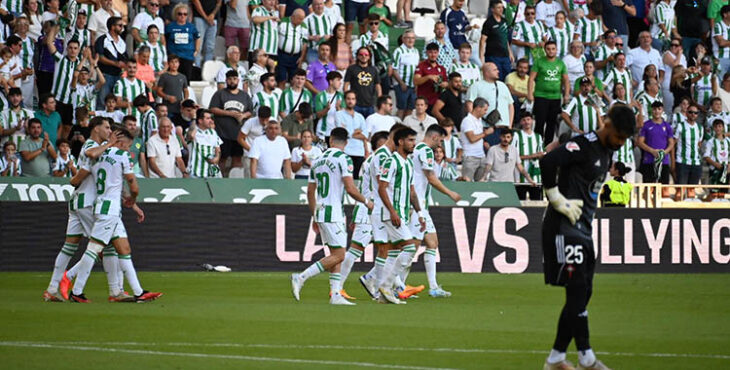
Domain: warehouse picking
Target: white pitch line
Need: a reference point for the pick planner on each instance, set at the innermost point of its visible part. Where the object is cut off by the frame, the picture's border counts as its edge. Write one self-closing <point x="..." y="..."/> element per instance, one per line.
<point x="210" y="355"/>
<point x="377" y="348"/>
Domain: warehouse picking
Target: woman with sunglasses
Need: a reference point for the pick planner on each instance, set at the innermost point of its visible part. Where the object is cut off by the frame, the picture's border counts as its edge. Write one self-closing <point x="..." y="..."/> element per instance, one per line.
<point x="671" y="58"/>
<point x="183" y="39"/>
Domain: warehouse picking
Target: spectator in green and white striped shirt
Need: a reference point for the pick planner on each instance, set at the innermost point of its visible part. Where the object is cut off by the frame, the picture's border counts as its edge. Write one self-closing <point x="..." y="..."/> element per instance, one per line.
<point x="158" y="51"/>
<point x="264" y="30"/>
<point x="689" y="144"/>
<point x="320" y="30"/>
<point x="716" y="154"/>
<point x="469" y="71"/>
<point x="704" y="84"/>
<point x="128" y="88"/>
<point x="295" y="94"/>
<point x="582" y="114"/>
<point x="292" y="47"/>
<point x="405" y="61"/>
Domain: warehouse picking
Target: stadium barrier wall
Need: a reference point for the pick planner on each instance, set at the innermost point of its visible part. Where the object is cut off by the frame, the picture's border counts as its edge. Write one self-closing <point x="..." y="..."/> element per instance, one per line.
<point x="266" y="237"/>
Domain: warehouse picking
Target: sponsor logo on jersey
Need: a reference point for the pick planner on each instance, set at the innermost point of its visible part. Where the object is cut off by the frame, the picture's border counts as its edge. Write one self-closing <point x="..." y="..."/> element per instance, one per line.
<point x="572" y="146"/>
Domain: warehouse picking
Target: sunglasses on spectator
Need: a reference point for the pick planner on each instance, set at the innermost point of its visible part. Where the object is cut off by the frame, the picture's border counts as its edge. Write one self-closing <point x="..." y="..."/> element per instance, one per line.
<point x="374" y="23"/>
<point x="530" y="13"/>
<point x="693" y="112"/>
<point x="620" y="45"/>
<point x="182" y="13"/>
<point x="673" y="45"/>
<point x="154" y="4"/>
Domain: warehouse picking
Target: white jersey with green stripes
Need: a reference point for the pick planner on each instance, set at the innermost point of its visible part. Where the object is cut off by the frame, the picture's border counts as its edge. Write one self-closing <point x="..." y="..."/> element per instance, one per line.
<point x="325" y="124"/>
<point x="625" y="154"/>
<point x="689" y="137"/>
<point x="327" y="173"/>
<point x="380" y="156"/>
<point x="446" y="171"/>
<point x="158" y="55"/>
<point x="84" y="96"/>
<point x="573" y="5"/>
<point x="203" y="148"/>
<point x="72" y="11"/>
<point x="646" y="101"/>
<point x="85" y="195"/>
<point x="10" y="119"/>
<point x="290" y="97"/>
<point x="590" y="30"/>
<point x="663" y="15"/>
<point x="616" y="76"/>
<point x="361" y="214"/>
<point x="562" y="37"/>
<point x="265" y="35"/>
<point x="61" y="164"/>
<point x="602" y="53"/>
<point x="584" y="116"/>
<point x="13" y="6"/>
<point x="470" y="73"/>
<point x="271" y="100"/>
<point x="26" y="52"/>
<point x="423" y="161"/>
<point x="677" y="119"/>
<point x="529" y="144"/>
<point x="526" y="32"/>
<point x="702" y="89"/>
<point x="109" y="171"/>
<point x="723" y="30"/>
<point x="128" y="90"/>
<point x="718" y="149"/>
<point x="82" y="36"/>
<point x="148" y="124"/>
<point x="62" y="76"/>
<point x="405" y="61"/>
<point x="451" y="146"/>
<point x="398" y="173"/>
<point x="291" y="37"/>
<point x="318" y="25"/>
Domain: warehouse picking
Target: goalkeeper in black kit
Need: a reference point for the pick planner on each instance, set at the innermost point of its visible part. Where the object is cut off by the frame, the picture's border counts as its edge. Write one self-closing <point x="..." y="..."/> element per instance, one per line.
<point x="572" y="176"/>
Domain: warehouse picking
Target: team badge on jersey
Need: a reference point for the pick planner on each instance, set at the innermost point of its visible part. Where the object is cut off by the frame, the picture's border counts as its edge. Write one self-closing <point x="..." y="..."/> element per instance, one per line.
<point x="572" y="146"/>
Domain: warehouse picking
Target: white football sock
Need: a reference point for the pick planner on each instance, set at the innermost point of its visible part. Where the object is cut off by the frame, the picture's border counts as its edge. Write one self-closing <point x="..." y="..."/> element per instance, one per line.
<point x="555" y="357"/>
<point x="377" y="271"/>
<point x="402" y="262"/>
<point x="110" y="262"/>
<point x="587" y="357"/>
<point x="351" y="256"/>
<point x="311" y="271"/>
<point x="388" y="269"/>
<point x="83" y="271"/>
<point x="64" y="257"/>
<point x="429" y="261"/>
<point x="335" y="282"/>
<point x="125" y="261"/>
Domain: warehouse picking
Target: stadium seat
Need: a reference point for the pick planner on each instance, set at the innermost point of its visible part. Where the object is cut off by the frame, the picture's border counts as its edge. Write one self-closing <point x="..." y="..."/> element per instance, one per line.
<point x="191" y="94"/>
<point x="236" y="173"/>
<point x="392" y="4"/>
<point x="478" y="7"/>
<point x="220" y="48"/>
<point x="423" y="7"/>
<point x="423" y="27"/>
<point x="207" y="95"/>
<point x="210" y="70"/>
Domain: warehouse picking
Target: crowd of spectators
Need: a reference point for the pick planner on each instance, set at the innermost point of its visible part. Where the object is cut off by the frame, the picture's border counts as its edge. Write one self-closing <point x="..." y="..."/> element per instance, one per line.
<point x="505" y="84"/>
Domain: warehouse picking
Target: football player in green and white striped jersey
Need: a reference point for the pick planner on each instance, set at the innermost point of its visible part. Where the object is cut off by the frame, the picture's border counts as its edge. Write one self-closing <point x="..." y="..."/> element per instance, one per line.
<point x="704" y="83"/>
<point x="582" y="114"/>
<point x="148" y="124"/>
<point x="398" y="195"/>
<point x="111" y="171"/>
<point x="264" y="28"/>
<point x="424" y="178"/>
<point x="158" y="51"/>
<point x="470" y="72"/>
<point x="128" y="88"/>
<point x="717" y="153"/>
<point x="688" y="155"/>
<point x="619" y="74"/>
<point x="270" y="96"/>
<point x="14" y="118"/>
<point x="362" y="228"/>
<point x="205" y="150"/>
<point x="405" y="61"/>
<point x="327" y="103"/>
<point x="80" y="210"/>
<point x="294" y="95"/>
<point x="329" y="179"/>
<point x="563" y="33"/>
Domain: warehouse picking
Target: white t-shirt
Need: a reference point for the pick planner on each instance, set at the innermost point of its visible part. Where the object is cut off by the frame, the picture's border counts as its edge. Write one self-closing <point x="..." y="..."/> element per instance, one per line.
<point x="253" y="129"/>
<point x="296" y="156"/>
<point x="420" y="127"/>
<point x="270" y="155"/>
<point x="143" y="20"/>
<point x="546" y="12"/>
<point x="157" y="150"/>
<point x="473" y="124"/>
<point x="97" y="22"/>
<point x="377" y="122"/>
<point x="638" y="58"/>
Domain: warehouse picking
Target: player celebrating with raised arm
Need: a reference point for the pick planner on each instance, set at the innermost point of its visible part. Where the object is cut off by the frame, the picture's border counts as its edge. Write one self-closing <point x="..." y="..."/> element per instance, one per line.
<point x="573" y="175"/>
<point x="424" y="178"/>
<point x="397" y="193"/>
<point x="110" y="172"/>
<point x="80" y="208"/>
<point x="362" y="228"/>
<point x="329" y="178"/>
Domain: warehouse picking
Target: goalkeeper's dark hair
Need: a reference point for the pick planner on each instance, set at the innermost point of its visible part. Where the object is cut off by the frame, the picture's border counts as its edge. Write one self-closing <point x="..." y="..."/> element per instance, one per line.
<point x="380" y="135"/>
<point x="623" y="119"/>
<point x="339" y="135"/>
<point x="435" y="129"/>
<point x="403" y="134"/>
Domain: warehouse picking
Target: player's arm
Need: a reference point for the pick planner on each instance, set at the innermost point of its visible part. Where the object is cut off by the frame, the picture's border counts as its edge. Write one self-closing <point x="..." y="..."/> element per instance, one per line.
<point x="131" y="199"/>
<point x="312" y="196"/>
<point x="567" y="153"/>
<point x="414" y="200"/>
<point x="98" y="150"/>
<point x="383" y="193"/>
<point x="351" y="189"/>
<point x="436" y="183"/>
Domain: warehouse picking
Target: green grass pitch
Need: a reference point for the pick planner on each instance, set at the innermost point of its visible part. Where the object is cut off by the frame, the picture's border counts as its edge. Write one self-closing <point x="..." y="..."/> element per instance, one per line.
<point x="250" y="320"/>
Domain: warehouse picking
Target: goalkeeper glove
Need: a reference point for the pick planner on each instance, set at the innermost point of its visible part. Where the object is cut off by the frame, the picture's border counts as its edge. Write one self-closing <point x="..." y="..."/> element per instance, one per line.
<point x="570" y="208"/>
